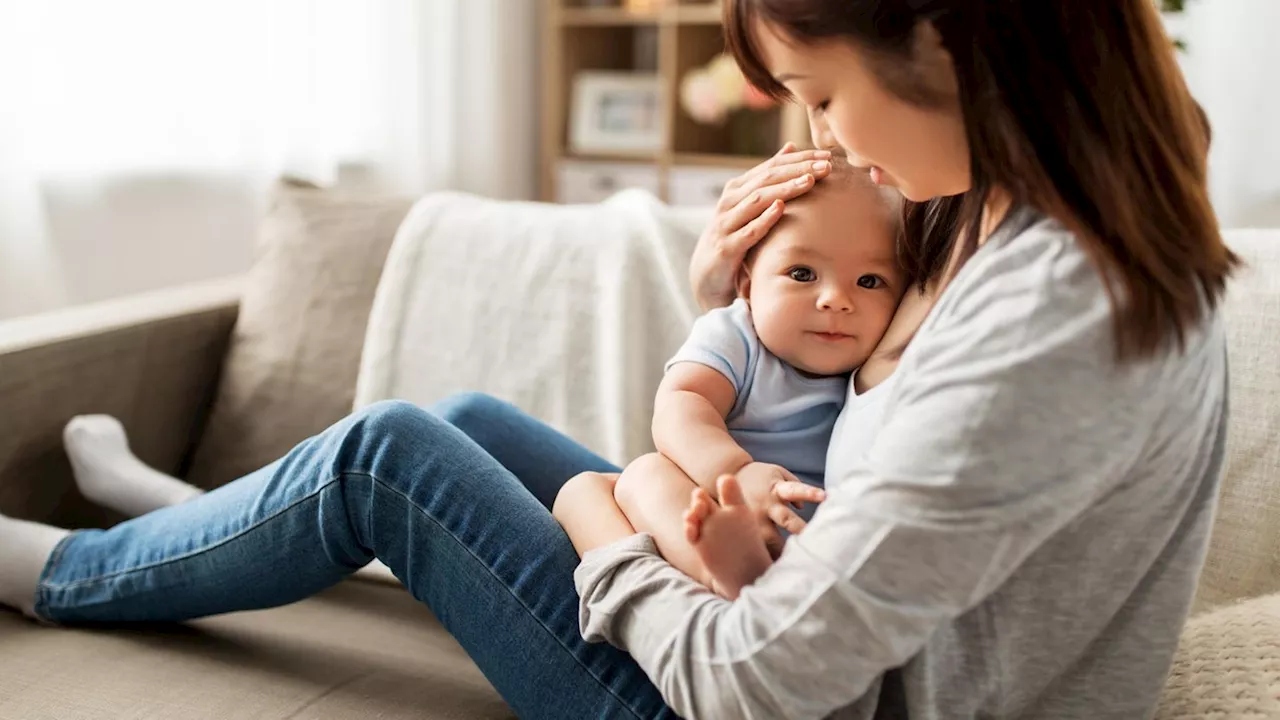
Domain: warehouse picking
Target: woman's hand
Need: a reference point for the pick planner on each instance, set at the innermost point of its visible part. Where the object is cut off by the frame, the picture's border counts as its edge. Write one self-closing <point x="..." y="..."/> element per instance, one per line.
<point x="749" y="206"/>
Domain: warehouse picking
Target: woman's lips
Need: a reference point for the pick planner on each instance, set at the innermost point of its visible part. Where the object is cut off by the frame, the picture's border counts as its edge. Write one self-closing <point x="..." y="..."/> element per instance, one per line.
<point x="877" y="175"/>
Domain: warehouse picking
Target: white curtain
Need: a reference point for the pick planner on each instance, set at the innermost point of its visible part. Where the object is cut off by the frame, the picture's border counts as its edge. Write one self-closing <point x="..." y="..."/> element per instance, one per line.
<point x="405" y="95"/>
<point x="1232" y="63"/>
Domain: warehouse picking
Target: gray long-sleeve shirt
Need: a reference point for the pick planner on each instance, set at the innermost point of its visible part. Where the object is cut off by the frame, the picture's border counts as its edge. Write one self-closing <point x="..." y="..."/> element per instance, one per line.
<point x="1022" y="539"/>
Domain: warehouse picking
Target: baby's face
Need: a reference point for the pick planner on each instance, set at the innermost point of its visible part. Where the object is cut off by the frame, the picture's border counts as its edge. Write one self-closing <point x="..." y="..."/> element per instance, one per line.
<point x="826" y="282"/>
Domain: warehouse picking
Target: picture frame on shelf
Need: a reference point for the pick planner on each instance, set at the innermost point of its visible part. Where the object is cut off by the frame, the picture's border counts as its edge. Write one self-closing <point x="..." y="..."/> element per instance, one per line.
<point x="617" y="113"/>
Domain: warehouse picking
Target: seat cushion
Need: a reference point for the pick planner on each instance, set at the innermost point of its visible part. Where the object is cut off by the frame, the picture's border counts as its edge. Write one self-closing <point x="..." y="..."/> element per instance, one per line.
<point x="360" y="650"/>
<point x="1228" y="664"/>
<point x="291" y="369"/>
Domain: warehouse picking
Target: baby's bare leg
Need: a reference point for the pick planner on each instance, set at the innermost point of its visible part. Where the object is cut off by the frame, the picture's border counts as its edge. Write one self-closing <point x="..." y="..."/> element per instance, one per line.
<point x="585" y="508"/>
<point x="654" y="493"/>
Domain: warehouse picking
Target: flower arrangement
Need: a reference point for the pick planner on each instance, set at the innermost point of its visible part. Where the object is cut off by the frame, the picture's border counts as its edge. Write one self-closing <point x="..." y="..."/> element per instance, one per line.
<point x="710" y="94"/>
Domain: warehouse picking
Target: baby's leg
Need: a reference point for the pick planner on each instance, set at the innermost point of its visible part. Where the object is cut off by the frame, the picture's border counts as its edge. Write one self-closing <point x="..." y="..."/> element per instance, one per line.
<point x="585" y="508"/>
<point x="654" y="493"/>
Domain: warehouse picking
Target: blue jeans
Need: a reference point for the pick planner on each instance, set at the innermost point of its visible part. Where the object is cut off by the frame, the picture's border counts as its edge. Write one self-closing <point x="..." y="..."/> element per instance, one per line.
<point x="459" y="515"/>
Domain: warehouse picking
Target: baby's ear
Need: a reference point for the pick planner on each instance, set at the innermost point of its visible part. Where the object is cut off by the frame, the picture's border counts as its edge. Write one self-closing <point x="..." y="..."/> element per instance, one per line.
<point x="744" y="282"/>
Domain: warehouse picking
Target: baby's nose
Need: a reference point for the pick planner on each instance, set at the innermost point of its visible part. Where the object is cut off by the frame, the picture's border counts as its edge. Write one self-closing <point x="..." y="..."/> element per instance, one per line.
<point x="836" y="301"/>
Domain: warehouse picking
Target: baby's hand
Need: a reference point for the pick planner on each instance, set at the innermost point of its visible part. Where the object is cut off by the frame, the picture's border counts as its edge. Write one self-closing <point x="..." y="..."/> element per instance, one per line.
<point x="774" y="492"/>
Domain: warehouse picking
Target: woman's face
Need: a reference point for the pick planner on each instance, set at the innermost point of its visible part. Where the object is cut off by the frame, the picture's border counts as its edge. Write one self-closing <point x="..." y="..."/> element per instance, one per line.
<point x="922" y="151"/>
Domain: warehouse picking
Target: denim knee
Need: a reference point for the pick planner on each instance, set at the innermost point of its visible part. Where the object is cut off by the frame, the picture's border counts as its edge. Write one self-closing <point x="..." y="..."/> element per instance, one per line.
<point x="472" y="412"/>
<point x="397" y="426"/>
<point x="393" y="415"/>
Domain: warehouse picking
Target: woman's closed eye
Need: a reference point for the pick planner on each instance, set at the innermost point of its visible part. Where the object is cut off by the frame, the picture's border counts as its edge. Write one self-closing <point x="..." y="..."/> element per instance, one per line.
<point x="802" y="274"/>
<point x="871" y="282"/>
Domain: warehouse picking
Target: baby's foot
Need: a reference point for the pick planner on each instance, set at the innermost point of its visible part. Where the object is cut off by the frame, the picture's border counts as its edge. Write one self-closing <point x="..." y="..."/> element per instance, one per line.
<point x="726" y="537"/>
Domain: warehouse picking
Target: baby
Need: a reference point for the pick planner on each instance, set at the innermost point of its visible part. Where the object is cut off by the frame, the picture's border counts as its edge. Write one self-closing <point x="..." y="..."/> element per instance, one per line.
<point x="755" y="390"/>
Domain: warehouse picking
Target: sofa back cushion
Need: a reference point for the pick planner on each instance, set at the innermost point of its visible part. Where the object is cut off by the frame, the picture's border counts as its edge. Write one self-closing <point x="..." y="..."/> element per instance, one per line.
<point x="1244" y="553"/>
<point x="291" y="368"/>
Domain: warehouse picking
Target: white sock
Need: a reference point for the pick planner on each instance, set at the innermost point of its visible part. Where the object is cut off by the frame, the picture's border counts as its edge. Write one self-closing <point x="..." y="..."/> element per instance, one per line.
<point x="108" y="473"/>
<point x="24" y="551"/>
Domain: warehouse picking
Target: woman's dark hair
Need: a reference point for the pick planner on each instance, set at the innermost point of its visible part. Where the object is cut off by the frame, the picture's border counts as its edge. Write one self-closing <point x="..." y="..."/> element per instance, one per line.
<point x="1077" y="109"/>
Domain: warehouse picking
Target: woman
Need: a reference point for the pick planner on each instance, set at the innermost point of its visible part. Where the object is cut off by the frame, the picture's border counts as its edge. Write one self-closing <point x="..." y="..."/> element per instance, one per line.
<point x="1020" y="516"/>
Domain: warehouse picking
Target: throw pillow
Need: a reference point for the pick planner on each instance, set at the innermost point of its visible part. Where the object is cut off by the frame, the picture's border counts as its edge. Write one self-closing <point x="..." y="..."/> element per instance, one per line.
<point x="291" y="368"/>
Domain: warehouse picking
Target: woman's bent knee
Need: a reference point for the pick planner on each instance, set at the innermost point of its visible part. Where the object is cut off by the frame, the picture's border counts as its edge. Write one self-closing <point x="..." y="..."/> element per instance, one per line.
<point x="469" y="410"/>
<point x="394" y="416"/>
<point x="402" y="445"/>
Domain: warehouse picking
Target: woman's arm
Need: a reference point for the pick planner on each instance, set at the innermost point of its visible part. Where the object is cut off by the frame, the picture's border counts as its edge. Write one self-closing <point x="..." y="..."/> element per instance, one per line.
<point x="1014" y="368"/>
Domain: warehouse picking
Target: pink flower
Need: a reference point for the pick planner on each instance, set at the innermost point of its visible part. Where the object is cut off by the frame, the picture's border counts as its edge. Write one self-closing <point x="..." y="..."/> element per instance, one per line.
<point x="701" y="99"/>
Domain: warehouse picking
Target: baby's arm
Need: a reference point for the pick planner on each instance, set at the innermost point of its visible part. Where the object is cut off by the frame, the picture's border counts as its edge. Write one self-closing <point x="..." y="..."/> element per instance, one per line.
<point x="689" y="423"/>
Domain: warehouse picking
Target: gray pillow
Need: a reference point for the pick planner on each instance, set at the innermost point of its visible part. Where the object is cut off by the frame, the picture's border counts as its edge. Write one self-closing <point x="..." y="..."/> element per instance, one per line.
<point x="291" y="368"/>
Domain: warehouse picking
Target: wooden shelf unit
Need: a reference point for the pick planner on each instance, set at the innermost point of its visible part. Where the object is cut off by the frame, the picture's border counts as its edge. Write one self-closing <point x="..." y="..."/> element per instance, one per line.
<point x="664" y="37"/>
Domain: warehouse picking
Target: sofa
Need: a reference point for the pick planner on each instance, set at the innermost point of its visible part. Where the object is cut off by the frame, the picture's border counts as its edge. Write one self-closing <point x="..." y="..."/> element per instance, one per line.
<point x="214" y="379"/>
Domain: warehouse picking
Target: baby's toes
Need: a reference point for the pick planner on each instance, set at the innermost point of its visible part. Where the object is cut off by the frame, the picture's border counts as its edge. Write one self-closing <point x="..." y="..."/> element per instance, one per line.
<point x="701" y="504"/>
<point x="692" y="526"/>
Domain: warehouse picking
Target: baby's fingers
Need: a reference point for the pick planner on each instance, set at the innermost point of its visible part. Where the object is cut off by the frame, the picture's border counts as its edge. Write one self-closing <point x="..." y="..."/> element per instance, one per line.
<point x="785" y="518"/>
<point x="794" y="491"/>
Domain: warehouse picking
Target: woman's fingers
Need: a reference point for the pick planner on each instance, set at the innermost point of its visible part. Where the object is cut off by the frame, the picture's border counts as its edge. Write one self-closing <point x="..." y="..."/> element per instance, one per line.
<point x="786" y="149"/>
<point x="755" y="200"/>
<point x="780" y="168"/>
<point x="781" y="176"/>
<point x="794" y="491"/>
<point x="786" y="519"/>
<point x="738" y="242"/>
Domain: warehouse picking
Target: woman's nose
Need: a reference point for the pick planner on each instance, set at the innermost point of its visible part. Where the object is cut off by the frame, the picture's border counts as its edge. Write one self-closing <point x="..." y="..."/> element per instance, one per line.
<point x="820" y="132"/>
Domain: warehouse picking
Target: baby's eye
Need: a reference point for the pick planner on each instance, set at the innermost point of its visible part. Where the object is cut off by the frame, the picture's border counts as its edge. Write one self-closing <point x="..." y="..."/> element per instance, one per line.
<point x="802" y="274"/>
<point x="870" y="282"/>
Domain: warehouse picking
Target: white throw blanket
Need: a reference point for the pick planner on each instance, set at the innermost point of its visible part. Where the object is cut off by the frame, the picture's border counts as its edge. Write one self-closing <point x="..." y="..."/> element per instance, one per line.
<point x="567" y="311"/>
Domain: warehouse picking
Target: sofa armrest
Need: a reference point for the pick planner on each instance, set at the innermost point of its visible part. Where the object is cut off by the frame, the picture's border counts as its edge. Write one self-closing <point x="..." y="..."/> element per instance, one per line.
<point x="151" y="360"/>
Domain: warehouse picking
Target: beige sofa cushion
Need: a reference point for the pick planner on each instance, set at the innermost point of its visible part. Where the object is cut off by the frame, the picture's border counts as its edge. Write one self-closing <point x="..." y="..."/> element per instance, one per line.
<point x="1244" y="553"/>
<point x="295" y="352"/>
<point x="359" y="651"/>
<point x="1228" y="665"/>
